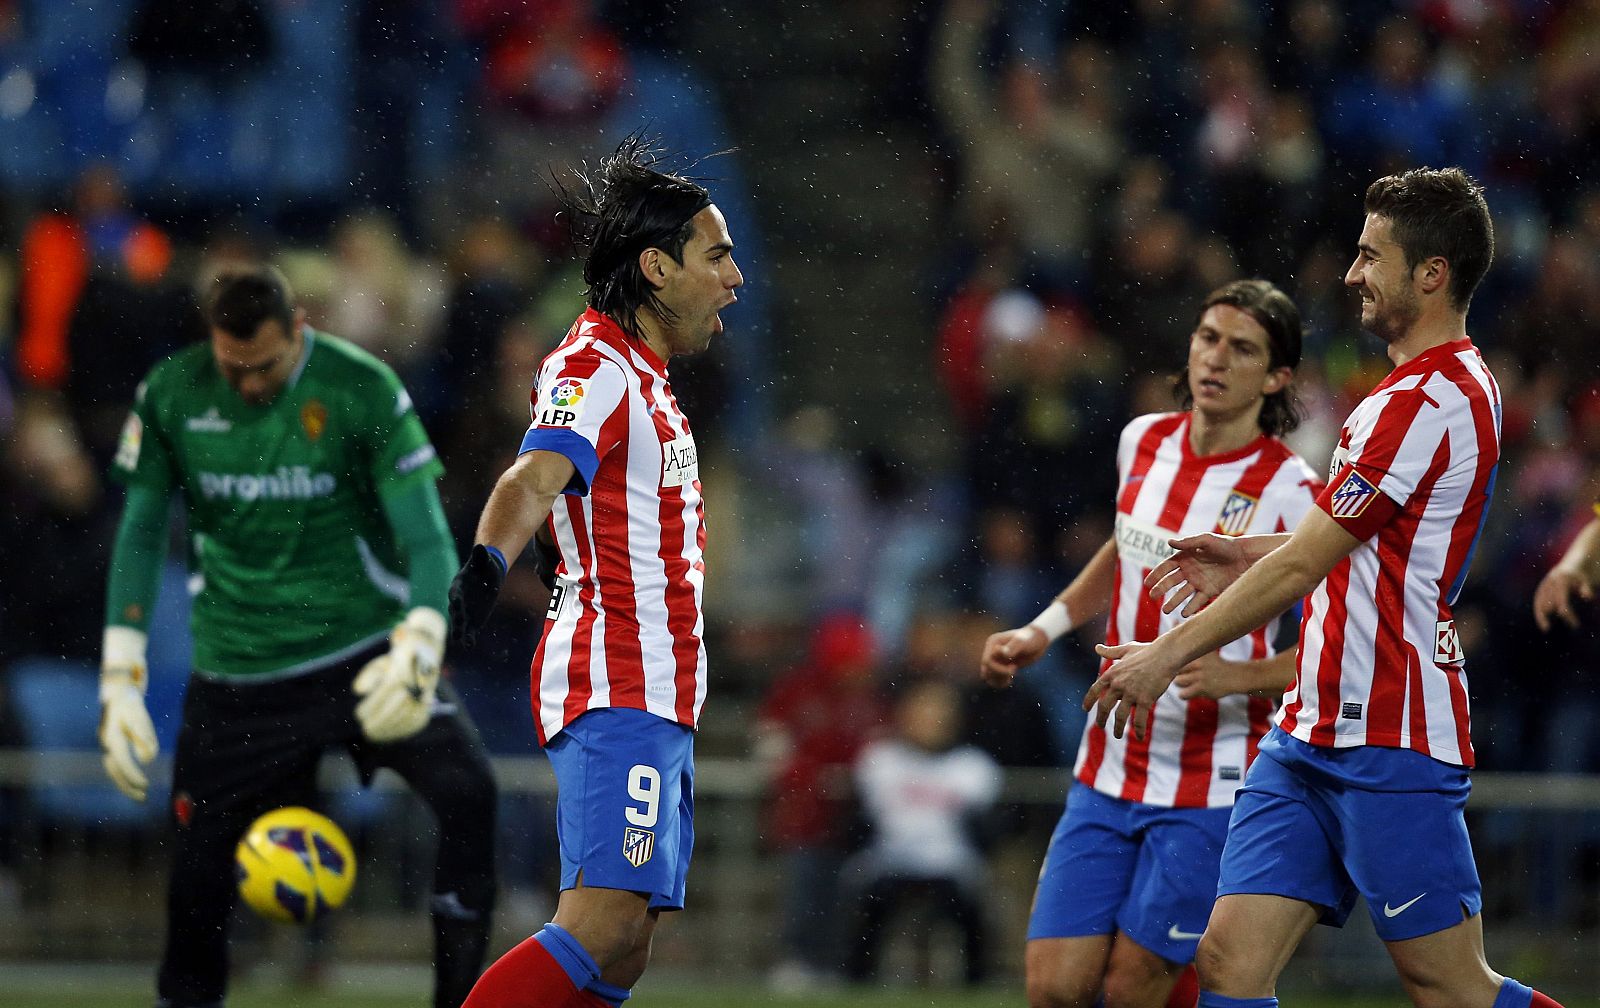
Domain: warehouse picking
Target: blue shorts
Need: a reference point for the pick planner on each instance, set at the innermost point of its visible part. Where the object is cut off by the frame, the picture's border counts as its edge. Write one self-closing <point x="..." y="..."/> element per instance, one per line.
<point x="1321" y="825"/>
<point x="1145" y="870"/>
<point x="625" y="803"/>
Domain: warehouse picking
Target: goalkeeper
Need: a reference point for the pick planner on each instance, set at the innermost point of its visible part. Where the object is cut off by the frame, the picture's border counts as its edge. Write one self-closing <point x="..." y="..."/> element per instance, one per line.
<point x="321" y="564"/>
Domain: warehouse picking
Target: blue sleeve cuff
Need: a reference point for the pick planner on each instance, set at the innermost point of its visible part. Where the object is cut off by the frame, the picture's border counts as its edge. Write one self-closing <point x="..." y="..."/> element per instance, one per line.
<point x="571" y="444"/>
<point x="499" y="557"/>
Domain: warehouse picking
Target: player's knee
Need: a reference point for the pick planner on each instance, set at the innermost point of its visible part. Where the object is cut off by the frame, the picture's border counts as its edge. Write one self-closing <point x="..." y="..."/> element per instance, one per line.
<point x="1214" y="965"/>
<point x="1056" y="986"/>
<point x="1129" y="988"/>
<point x="627" y="970"/>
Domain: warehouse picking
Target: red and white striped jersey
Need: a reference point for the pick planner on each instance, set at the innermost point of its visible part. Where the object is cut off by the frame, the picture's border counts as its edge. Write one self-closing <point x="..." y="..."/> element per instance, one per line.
<point x="1195" y="753"/>
<point x="1380" y="661"/>
<point x="625" y="625"/>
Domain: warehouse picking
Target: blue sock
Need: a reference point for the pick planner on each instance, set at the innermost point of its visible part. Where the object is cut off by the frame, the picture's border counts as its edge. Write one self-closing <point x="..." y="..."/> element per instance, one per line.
<point x="573" y="957"/>
<point x="1513" y="995"/>
<point x="613" y="996"/>
<point x="1210" y="1000"/>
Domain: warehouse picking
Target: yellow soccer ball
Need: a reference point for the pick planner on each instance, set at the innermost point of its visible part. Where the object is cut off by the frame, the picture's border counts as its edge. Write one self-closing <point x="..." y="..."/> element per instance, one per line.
<point x="295" y="865"/>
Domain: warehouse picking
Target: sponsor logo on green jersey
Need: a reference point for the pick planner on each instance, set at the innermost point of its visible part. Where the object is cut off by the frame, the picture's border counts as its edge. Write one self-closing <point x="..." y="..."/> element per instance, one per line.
<point x="287" y="483"/>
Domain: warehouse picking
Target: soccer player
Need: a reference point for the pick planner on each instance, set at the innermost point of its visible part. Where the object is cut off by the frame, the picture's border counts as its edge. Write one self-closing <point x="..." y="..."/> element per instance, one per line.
<point x="1572" y="578"/>
<point x="322" y="563"/>
<point x="1131" y="872"/>
<point x="609" y="467"/>
<point x="1360" y="785"/>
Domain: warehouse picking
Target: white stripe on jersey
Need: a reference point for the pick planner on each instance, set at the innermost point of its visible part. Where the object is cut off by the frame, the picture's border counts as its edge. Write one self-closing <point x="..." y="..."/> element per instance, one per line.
<point x="1380" y="663"/>
<point x="626" y="628"/>
<point x="1196" y="752"/>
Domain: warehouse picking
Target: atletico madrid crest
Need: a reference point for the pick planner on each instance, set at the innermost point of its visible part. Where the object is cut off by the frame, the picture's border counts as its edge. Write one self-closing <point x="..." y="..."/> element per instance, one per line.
<point x="638" y="845"/>
<point x="314" y="418"/>
<point x="1236" y="513"/>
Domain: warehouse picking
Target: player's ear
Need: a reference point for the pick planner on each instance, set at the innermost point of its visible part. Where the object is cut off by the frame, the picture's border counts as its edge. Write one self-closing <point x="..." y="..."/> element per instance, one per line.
<point x="299" y="320"/>
<point x="1278" y="379"/>
<point x="1433" y="273"/>
<point x="653" y="268"/>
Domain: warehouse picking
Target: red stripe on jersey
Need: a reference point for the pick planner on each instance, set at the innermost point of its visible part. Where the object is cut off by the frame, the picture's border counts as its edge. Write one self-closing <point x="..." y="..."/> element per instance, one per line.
<point x="1327" y="673"/>
<point x="1419" y="705"/>
<point x="1260" y="713"/>
<point x="614" y="567"/>
<point x="1094" y="753"/>
<point x="1461" y="709"/>
<point x="1199" y="731"/>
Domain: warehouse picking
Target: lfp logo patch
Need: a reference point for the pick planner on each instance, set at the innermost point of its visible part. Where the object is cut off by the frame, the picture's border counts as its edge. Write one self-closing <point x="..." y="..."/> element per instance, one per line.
<point x="568" y="392"/>
<point x="563" y="404"/>
<point x="1353" y="496"/>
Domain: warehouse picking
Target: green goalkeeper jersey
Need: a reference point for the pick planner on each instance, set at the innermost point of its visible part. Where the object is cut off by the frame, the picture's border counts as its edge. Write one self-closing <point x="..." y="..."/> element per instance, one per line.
<point x="295" y="563"/>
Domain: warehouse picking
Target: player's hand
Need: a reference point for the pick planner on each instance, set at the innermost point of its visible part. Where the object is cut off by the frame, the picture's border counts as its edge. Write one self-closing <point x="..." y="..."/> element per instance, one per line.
<point x="477" y="584"/>
<point x="1554" y="597"/>
<point x="397" y="689"/>
<point x="1129" y="689"/>
<point x="545" y="560"/>
<point x="1198" y="572"/>
<point x="127" y="737"/>
<point x="1208" y="677"/>
<point x="1008" y="651"/>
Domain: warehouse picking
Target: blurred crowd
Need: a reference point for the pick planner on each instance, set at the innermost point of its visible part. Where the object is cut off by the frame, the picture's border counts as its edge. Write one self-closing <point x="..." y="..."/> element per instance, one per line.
<point x="1104" y="167"/>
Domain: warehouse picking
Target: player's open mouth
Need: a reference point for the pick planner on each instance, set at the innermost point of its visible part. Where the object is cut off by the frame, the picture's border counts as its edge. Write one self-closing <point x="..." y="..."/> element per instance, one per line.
<point x="1212" y="385"/>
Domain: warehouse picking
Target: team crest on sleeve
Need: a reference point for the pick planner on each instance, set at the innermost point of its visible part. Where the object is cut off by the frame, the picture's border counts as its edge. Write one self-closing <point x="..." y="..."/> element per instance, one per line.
<point x="1236" y="513"/>
<point x="1353" y="496"/>
<point x="563" y="404"/>
<point x="131" y="441"/>
<point x="314" y="418"/>
<point x="638" y="845"/>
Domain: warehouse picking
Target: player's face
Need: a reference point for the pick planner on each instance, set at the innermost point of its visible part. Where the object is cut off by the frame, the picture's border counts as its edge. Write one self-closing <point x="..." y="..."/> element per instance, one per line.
<point x="702" y="286"/>
<point x="1389" y="302"/>
<point x="258" y="368"/>
<point x="1229" y="363"/>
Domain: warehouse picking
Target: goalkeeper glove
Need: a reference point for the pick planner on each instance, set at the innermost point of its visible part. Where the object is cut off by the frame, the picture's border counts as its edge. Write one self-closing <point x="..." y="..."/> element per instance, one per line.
<point x="397" y="688"/>
<point x="473" y="592"/>
<point x="127" y="737"/>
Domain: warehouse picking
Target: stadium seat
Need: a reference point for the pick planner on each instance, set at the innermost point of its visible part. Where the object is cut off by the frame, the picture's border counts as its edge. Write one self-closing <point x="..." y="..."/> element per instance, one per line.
<point x="58" y="707"/>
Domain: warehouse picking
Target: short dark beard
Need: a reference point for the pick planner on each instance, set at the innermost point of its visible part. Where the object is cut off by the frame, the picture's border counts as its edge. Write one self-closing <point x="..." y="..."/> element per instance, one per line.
<point x="1382" y="324"/>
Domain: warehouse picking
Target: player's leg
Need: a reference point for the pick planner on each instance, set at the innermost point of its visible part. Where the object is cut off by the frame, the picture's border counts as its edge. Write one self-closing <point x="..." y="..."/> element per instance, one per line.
<point x="1136" y="977"/>
<point x="1409" y="853"/>
<point x="447" y="767"/>
<point x="1247" y="944"/>
<point x="625" y="807"/>
<point x="239" y="753"/>
<point x="1169" y="900"/>
<point x="1281" y="872"/>
<point x="1088" y="870"/>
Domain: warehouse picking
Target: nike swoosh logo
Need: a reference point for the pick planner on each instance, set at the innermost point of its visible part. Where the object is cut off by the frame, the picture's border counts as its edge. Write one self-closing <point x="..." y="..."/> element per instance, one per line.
<point x="1389" y="911"/>
<point x="1177" y="935"/>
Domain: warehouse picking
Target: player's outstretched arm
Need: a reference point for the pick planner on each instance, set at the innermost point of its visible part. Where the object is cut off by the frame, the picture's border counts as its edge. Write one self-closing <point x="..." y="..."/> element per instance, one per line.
<point x="1214" y="677"/>
<point x="1204" y="566"/>
<point x="520" y="502"/>
<point x="1572" y="578"/>
<point x="1089" y="594"/>
<point x="1140" y="673"/>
